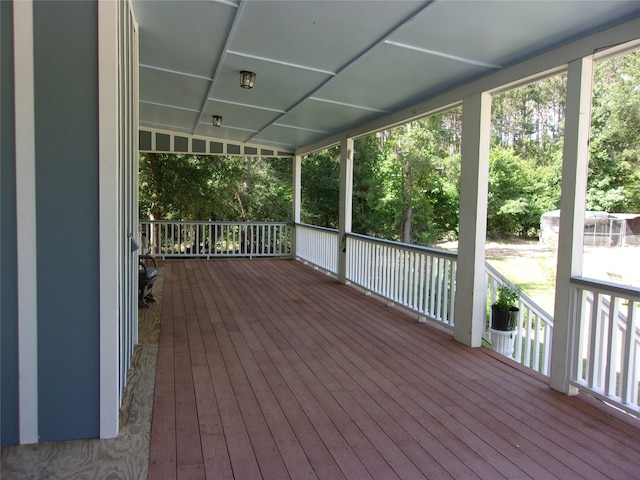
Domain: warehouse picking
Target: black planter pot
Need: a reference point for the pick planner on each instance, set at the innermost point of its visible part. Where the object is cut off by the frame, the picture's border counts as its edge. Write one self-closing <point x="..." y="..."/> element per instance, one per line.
<point x="504" y="320"/>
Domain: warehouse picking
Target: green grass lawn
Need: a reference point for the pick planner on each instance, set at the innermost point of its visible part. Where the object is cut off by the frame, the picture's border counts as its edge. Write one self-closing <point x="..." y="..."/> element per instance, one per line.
<point x="530" y="266"/>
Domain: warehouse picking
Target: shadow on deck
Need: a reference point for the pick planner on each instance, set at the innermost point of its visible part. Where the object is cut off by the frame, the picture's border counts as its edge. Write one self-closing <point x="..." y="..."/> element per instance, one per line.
<point x="269" y="369"/>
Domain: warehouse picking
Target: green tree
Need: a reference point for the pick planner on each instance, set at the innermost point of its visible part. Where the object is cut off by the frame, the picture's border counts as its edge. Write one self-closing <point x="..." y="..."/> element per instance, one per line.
<point x="530" y="119"/>
<point x="519" y="193"/>
<point x="420" y="177"/>
<point x="370" y="213"/>
<point x="190" y="187"/>
<point x="614" y="163"/>
<point x="321" y="188"/>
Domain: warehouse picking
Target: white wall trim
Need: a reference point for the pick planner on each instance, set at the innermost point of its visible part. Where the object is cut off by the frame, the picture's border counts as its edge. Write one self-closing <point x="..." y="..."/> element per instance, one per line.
<point x="108" y="197"/>
<point x="26" y="225"/>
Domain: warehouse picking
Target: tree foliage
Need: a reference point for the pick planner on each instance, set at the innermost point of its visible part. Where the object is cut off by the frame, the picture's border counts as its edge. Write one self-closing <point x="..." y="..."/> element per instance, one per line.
<point x="406" y="179"/>
<point x="192" y="187"/>
<point x="321" y="188"/>
<point x="614" y="173"/>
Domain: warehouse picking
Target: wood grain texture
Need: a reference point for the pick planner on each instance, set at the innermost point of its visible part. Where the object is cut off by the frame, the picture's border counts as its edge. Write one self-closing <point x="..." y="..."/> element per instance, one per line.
<point x="269" y="369"/>
<point x="279" y="371"/>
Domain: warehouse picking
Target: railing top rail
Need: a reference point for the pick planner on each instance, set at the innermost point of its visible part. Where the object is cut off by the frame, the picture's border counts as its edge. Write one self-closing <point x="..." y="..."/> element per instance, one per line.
<point x="208" y="222"/>
<point x="495" y="273"/>
<point x="316" y="227"/>
<point x="407" y="246"/>
<point x="524" y="298"/>
<point x="632" y="293"/>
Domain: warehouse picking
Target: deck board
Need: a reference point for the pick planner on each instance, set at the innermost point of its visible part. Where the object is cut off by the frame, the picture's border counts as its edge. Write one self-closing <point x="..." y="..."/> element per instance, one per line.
<point x="270" y="369"/>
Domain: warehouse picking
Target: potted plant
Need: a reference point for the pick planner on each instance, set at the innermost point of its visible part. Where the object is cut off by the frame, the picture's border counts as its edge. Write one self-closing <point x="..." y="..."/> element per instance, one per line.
<point x="504" y="319"/>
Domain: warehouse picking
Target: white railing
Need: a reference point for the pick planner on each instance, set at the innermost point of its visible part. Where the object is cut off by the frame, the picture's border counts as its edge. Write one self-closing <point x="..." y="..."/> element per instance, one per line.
<point x="418" y="278"/>
<point x="202" y="239"/>
<point x="318" y="246"/>
<point x="606" y="342"/>
<point x="535" y="326"/>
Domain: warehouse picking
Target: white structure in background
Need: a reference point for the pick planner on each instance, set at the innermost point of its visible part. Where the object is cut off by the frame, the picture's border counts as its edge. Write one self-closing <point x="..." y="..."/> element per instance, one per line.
<point x="601" y="229"/>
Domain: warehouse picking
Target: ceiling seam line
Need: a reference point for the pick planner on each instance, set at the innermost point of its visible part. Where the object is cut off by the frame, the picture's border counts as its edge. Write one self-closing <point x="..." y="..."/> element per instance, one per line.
<point x="239" y="104"/>
<point x="351" y="105"/>
<point x="175" y="72"/>
<point x="441" y="54"/>
<point x="232" y="128"/>
<point x="371" y="46"/>
<point x="234" y="26"/>
<point x="280" y="62"/>
<point x="148" y="102"/>
<point x="275" y="124"/>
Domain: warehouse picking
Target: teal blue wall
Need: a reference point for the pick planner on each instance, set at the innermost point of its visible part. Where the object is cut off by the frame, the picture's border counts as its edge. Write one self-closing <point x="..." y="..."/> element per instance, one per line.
<point x="66" y="126"/>
<point x="8" y="265"/>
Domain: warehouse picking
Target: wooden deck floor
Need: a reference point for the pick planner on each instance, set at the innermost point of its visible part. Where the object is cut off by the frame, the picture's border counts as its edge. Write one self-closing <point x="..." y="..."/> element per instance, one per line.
<point x="270" y="369"/>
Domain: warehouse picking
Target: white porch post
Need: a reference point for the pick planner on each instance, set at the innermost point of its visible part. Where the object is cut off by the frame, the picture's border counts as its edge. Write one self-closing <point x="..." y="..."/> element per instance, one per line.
<point x="25" y="138"/>
<point x="572" y="206"/>
<point x="297" y="200"/>
<point x="474" y="181"/>
<point x="345" y="212"/>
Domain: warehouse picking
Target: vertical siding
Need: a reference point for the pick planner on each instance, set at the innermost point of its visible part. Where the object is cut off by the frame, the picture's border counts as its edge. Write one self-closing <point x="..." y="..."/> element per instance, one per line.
<point x="8" y="271"/>
<point x="66" y="122"/>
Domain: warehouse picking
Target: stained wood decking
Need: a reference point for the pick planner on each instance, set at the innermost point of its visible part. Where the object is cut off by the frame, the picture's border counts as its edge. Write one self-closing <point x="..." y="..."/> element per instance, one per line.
<point x="269" y="369"/>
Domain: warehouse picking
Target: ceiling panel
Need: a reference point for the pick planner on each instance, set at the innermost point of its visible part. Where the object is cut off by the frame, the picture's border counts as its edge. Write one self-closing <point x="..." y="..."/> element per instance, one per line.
<point x="320" y="34"/>
<point x="162" y="117"/>
<point x="172" y="90"/>
<point x="284" y="136"/>
<point x="325" y="117"/>
<point x="501" y="32"/>
<point x="238" y="116"/>
<point x="185" y="36"/>
<point x="277" y="86"/>
<point x="324" y="66"/>
<point x="390" y="78"/>
<point x="224" y="133"/>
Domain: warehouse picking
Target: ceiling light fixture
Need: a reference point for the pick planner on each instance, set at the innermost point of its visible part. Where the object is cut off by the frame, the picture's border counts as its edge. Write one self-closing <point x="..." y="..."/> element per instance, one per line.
<point x="247" y="79"/>
<point x="217" y="121"/>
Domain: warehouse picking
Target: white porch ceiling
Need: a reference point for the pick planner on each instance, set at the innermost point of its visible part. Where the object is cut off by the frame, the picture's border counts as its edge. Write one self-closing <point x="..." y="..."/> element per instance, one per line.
<point x="324" y="66"/>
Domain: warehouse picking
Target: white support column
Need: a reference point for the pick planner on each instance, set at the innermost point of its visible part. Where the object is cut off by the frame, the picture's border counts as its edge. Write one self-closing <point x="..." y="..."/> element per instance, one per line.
<point x="27" y="226"/>
<point x="297" y="200"/>
<point x="346" y="200"/>
<point x="572" y="207"/>
<point x="108" y="211"/>
<point x="474" y="183"/>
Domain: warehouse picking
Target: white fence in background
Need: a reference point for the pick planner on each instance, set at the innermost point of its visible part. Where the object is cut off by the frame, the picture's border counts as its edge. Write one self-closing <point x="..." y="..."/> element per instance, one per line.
<point x="535" y="326"/>
<point x="318" y="246"/>
<point x="202" y="239"/>
<point x="606" y="342"/>
<point x="418" y="278"/>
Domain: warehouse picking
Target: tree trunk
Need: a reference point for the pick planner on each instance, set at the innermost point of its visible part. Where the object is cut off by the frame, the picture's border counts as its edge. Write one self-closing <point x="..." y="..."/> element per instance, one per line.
<point x="408" y="213"/>
<point x="406" y="227"/>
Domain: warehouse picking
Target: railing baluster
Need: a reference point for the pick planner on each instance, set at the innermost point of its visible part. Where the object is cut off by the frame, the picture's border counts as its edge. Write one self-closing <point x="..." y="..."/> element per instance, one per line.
<point x="594" y="345"/>
<point x="204" y="239"/>
<point x="369" y="265"/>
<point x="454" y="273"/>
<point x="440" y="288"/>
<point x="536" y="345"/>
<point x="611" y="349"/>
<point x="608" y="340"/>
<point x="445" y="280"/>
<point x="629" y="376"/>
